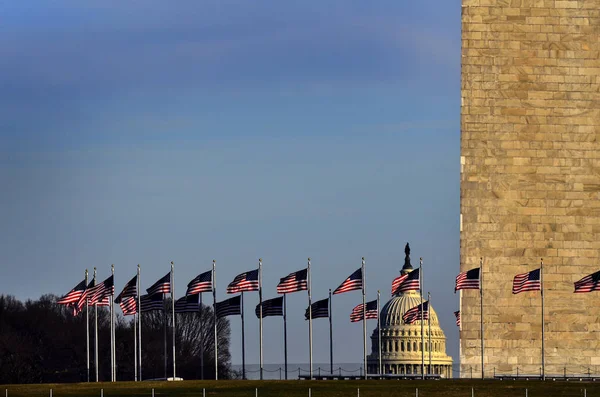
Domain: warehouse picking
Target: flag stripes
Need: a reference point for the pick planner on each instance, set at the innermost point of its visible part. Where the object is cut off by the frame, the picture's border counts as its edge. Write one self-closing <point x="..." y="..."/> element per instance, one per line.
<point x="229" y="307"/>
<point x="397" y="281"/>
<point x="529" y="281"/>
<point x="202" y="283"/>
<point x="188" y="304"/>
<point x="100" y="293"/>
<point x="414" y="314"/>
<point x="129" y="290"/>
<point x="270" y="307"/>
<point x="352" y="283"/>
<point x="320" y="309"/>
<point x="588" y="283"/>
<point x="83" y="298"/>
<point x="468" y="280"/>
<point x="244" y="282"/>
<point x="162" y="286"/>
<point x="73" y="295"/>
<point x="457" y="315"/>
<point x="128" y="305"/>
<point x="371" y="313"/>
<point x="293" y="282"/>
<point x="152" y="302"/>
<point x="410" y="283"/>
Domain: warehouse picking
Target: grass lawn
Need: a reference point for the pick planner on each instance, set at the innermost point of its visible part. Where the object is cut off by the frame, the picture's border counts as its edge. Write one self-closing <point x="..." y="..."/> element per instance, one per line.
<point x="371" y="388"/>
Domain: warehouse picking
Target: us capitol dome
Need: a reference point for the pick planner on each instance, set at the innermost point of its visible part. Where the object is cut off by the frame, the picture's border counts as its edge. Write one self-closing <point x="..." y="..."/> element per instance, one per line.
<point x="401" y="343"/>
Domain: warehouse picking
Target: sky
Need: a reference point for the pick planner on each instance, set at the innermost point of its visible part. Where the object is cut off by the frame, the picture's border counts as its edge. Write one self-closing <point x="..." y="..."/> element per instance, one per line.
<point x="149" y="132"/>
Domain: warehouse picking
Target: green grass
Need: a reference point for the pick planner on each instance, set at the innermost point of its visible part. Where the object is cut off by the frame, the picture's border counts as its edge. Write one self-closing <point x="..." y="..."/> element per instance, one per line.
<point x="372" y="388"/>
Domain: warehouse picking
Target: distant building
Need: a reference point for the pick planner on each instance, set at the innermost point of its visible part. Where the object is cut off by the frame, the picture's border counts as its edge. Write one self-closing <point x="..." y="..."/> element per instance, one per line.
<point x="401" y="343"/>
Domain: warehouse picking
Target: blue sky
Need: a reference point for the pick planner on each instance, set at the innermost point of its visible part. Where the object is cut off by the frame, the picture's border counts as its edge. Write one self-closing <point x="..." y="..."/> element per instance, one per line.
<point x="145" y="132"/>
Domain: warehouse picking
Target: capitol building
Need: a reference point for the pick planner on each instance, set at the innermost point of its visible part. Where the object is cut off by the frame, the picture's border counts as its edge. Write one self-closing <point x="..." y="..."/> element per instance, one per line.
<point x="401" y="347"/>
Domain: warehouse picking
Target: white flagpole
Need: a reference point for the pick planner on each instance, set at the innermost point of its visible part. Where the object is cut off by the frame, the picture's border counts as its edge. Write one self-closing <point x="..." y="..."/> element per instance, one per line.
<point x="364" y="287"/>
<point x="214" y="291"/>
<point x="139" y="313"/>
<point x="113" y="358"/>
<point x="243" y="336"/>
<point x="429" y="324"/>
<point x="87" y="330"/>
<point x="285" y="336"/>
<point x="173" y="311"/>
<point x="543" y="327"/>
<point x="330" y="335"/>
<point x="379" y="331"/>
<point x="260" y="327"/>
<point x="95" y="331"/>
<point x="481" y="314"/>
<point x="135" y="368"/>
<point x="201" y="336"/>
<point x="422" y="325"/>
<point x="310" y="344"/>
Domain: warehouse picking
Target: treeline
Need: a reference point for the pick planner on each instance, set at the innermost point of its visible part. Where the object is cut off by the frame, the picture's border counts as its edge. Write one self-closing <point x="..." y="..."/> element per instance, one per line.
<point x="42" y="342"/>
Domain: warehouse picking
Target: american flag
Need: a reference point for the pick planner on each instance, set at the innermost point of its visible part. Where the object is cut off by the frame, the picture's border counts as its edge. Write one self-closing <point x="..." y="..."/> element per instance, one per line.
<point x="529" y="281"/>
<point x="129" y="290"/>
<point x="229" y="307"/>
<point x="247" y="281"/>
<point x="357" y="312"/>
<point x="270" y="307"/>
<point x="202" y="283"/>
<point x="100" y="293"/>
<point x="319" y="309"/>
<point x="410" y="283"/>
<point x="457" y="315"/>
<point x="397" y="281"/>
<point x="467" y="280"/>
<point x="588" y="283"/>
<point x="73" y="295"/>
<point x="352" y="283"/>
<point x="293" y="282"/>
<point x="104" y="301"/>
<point x="162" y="286"/>
<point x="188" y="304"/>
<point x="128" y="305"/>
<point x="414" y="314"/>
<point x="152" y="302"/>
<point x="83" y="298"/>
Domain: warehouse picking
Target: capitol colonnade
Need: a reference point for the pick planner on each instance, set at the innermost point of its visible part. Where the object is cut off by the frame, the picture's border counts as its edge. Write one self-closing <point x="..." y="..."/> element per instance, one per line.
<point x="401" y="347"/>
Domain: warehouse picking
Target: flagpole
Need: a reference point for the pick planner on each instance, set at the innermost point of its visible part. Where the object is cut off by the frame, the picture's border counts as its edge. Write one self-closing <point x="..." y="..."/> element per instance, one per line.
<point x="481" y="314"/>
<point x="260" y="327"/>
<point x="95" y="331"/>
<point x="87" y="330"/>
<point x="422" y="325"/>
<point x="113" y="371"/>
<point x="135" y="369"/>
<point x="165" y="358"/>
<point x="379" y="332"/>
<point x="243" y="337"/>
<point x="214" y="291"/>
<point x="201" y="337"/>
<point x="429" y="324"/>
<point x="330" y="335"/>
<point x="310" y="344"/>
<point x="364" y="287"/>
<point x="285" y="336"/>
<point x="139" y="310"/>
<point x="173" y="312"/>
<point x="543" y="331"/>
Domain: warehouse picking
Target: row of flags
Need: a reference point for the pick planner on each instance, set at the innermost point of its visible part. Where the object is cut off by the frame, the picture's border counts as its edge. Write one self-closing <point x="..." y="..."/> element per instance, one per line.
<point x="132" y="302"/>
<point x="522" y="282"/>
<point x="529" y="281"/>
<point x="245" y="282"/>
